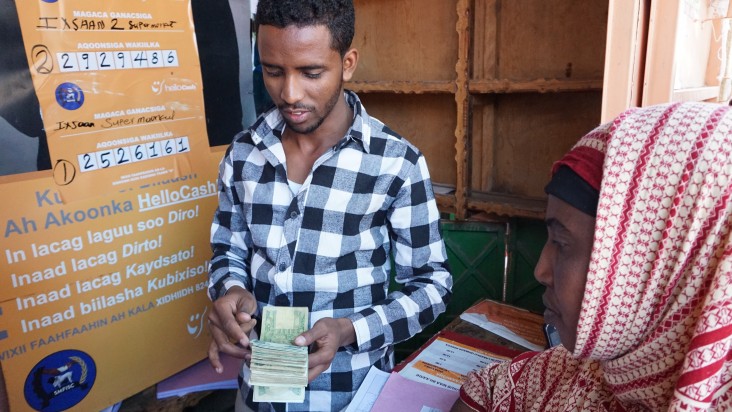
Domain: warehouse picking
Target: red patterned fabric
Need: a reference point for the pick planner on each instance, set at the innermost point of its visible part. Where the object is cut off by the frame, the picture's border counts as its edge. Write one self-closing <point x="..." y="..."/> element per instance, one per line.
<point x="655" y="330"/>
<point x="586" y="159"/>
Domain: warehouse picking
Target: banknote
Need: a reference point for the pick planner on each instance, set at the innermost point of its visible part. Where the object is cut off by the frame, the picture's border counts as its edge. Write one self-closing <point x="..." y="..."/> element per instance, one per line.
<point x="295" y="394"/>
<point x="277" y="364"/>
<point x="282" y="324"/>
<point x="279" y="369"/>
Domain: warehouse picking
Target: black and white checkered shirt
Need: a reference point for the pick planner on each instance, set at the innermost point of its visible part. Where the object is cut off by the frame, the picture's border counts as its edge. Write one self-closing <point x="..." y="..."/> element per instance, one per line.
<point x="327" y="247"/>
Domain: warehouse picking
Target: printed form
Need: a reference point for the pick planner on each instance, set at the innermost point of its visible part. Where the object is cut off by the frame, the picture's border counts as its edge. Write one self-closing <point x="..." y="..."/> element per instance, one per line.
<point x="445" y="363"/>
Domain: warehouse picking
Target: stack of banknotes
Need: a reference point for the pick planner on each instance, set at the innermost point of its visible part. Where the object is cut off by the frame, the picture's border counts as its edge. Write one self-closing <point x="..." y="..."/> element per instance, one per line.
<point x="279" y="369"/>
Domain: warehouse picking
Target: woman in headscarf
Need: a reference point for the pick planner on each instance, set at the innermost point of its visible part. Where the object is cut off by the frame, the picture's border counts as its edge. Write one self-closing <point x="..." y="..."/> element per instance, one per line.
<point x="638" y="273"/>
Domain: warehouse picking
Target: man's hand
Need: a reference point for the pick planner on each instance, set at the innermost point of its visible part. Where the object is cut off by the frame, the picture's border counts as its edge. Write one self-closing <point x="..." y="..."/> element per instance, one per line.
<point x="327" y="335"/>
<point x="230" y="322"/>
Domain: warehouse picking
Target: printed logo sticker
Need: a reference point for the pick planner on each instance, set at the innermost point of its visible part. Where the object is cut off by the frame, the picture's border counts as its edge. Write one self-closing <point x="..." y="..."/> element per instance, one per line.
<point x="60" y="381"/>
<point x="195" y="323"/>
<point x="69" y="96"/>
<point x="182" y="85"/>
<point x="157" y="86"/>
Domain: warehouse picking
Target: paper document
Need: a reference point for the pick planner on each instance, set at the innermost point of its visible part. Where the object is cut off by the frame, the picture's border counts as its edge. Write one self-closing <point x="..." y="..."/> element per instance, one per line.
<point x="446" y="362"/>
<point x="499" y="330"/>
<point x="404" y="395"/>
<point x="368" y="391"/>
<point x="509" y="322"/>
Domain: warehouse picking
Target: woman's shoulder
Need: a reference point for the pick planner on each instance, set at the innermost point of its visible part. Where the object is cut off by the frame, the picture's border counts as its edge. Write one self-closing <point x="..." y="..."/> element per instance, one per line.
<point x="533" y="380"/>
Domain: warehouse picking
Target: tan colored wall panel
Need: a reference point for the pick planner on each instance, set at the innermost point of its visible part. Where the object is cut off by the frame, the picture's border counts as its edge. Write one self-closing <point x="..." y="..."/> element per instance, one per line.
<point x="532" y="131"/>
<point x="553" y="39"/>
<point x="482" y="143"/>
<point x="428" y="121"/>
<point x="492" y="91"/>
<point x="406" y="39"/>
<point x="484" y="39"/>
<point x="624" y="56"/>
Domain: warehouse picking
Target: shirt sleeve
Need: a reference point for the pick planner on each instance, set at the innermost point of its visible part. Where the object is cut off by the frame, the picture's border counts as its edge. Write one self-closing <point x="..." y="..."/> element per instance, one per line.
<point x="229" y="235"/>
<point x="420" y="265"/>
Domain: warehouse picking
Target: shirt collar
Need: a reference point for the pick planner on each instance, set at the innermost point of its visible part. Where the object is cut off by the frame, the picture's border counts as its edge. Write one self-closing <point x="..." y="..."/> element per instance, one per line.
<point x="268" y="127"/>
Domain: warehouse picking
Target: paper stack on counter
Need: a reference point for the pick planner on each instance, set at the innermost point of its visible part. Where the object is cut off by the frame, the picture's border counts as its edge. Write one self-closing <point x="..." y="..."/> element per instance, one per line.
<point x="517" y="325"/>
<point x="279" y="369"/>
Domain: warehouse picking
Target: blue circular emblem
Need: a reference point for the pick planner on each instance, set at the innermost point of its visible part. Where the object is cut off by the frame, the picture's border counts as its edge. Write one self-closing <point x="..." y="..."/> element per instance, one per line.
<point x="69" y="96"/>
<point x="60" y="381"/>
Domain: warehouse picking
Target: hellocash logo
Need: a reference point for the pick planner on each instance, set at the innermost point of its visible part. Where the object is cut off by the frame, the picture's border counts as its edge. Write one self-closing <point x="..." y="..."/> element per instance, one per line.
<point x="195" y="323"/>
<point x="60" y="381"/>
<point x="157" y="86"/>
<point x="69" y="96"/>
<point x="181" y="85"/>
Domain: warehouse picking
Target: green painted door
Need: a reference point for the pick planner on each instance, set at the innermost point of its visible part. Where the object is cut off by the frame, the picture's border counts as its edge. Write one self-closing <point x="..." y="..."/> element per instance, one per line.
<point x="525" y="240"/>
<point x="476" y="254"/>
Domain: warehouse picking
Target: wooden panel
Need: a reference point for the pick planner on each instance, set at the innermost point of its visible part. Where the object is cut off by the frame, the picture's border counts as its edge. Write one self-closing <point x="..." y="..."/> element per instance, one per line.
<point x="428" y="121"/>
<point x="659" y="69"/>
<point x="404" y="86"/>
<point x="507" y="205"/>
<point x="463" y="107"/>
<point x="538" y="86"/>
<point x="624" y="56"/>
<point x="492" y="91"/>
<point x="406" y="39"/>
<point x="534" y="130"/>
<point x="483" y="132"/>
<point x="484" y="40"/>
<point x="548" y="39"/>
<point x="445" y="203"/>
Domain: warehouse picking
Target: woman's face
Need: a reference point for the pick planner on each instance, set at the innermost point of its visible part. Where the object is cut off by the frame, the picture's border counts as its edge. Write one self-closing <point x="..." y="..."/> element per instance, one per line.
<point x="563" y="265"/>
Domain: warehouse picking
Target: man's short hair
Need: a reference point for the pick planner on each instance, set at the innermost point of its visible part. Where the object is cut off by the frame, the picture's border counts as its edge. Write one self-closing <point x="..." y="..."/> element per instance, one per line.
<point x="337" y="15"/>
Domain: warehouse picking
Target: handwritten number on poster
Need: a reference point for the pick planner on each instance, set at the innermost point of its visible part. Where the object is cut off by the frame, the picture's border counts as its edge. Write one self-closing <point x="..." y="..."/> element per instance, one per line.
<point x="64" y="172"/>
<point x="42" y="61"/>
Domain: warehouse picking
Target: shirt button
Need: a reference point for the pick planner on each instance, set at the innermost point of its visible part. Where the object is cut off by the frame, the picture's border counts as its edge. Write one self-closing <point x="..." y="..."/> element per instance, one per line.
<point x="293" y="214"/>
<point x="282" y="267"/>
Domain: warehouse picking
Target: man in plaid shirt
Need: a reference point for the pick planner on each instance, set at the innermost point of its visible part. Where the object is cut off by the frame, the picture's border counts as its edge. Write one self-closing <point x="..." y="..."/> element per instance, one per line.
<point x="313" y="199"/>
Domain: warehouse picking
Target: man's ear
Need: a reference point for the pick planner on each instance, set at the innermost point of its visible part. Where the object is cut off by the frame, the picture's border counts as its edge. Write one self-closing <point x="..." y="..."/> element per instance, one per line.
<point x="350" y="61"/>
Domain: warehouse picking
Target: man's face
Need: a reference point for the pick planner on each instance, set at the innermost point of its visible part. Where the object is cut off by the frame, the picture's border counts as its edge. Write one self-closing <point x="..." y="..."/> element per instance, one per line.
<point x="303" y="74"/>
<point x="563" y="265"/>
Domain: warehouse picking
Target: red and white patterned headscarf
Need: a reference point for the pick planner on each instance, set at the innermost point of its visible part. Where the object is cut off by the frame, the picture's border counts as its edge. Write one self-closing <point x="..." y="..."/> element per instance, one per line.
<point x="655" y="330"/>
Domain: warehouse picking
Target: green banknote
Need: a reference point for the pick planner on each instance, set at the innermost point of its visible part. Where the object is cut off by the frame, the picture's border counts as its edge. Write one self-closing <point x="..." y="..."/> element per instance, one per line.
<point x="281" y="324"/>
<point x="279" y="369"/>
<point x="294" y="394"/>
